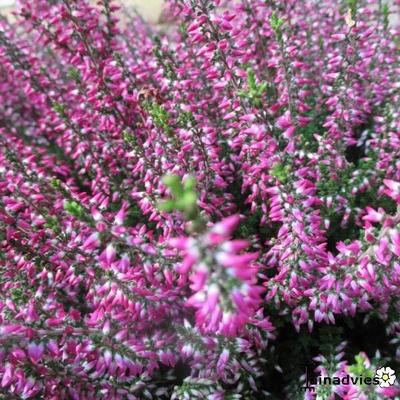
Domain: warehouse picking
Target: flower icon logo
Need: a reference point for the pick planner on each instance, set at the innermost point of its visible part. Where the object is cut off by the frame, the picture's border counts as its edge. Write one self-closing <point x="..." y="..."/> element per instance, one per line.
<point x="386" y="376"/>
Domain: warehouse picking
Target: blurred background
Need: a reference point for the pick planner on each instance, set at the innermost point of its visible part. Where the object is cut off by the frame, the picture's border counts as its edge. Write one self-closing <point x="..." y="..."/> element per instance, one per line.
<point x="149" y="9"/>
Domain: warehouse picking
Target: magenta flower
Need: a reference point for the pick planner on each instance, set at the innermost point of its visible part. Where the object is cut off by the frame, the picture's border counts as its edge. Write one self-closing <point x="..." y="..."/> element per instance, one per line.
<point x="223" y="280"/>
<point x="189" y="209"/>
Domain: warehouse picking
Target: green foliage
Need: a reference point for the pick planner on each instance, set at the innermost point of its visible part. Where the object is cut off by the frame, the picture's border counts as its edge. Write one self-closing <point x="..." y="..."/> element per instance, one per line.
<point x="159" y="115"/>
<point x="184" y="196"/>
<point x="182" y="29"/>
<point x="195" y="388"/>
<point x="174" y="184"/>
<point x="129" y="139"/>
<point x="276" y="25"/>
<point x="187" y="119"/>
<point x="59" y="109"/>
<point x="52" y="223"/>
<point x="385" y="13"/>
<point x="135" y="216"/>
<point x="347" y="179"/>
<point x="281" y="172"/>
<point x="359" y="367"/>
<point x="371" y="196"/>
<point x="74" y="74"/>
<point x="19" y="295"/>
<point x="352" y="4"/>
<point x="165" y="58"/>
<point x="75" y="209"/>
<point x="276" y="22"/>
<point x="306" y="133"/>
<point x="55" y="183"/>
<point x="328" y="186"/>
<point x="255" y="92"/>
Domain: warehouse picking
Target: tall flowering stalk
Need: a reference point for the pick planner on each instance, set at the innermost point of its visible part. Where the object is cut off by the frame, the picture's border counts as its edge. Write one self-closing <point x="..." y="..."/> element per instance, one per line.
<point x="223" y="281"/>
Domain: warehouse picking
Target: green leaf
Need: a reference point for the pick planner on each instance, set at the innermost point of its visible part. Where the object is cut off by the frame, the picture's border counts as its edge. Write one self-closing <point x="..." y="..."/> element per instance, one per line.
<point x="75" y="209"/>
<point x="74" y="74"/>
<point x="281" y="172"/>
<point x="276" y="22"/>
<point x="187" y="202"/>
<point x="385" y="12"/>
<point x="55" y="183"/>
<point x="59" y="108"/>
<point x="167" y="205"/>
<point x="251" y="78"/>
<point x="184" y="196"/>
<point x="173" y="183"/>
<point x="190" y="183"/>
<point x="262" y="88"/>
<point x="128" y="138"/>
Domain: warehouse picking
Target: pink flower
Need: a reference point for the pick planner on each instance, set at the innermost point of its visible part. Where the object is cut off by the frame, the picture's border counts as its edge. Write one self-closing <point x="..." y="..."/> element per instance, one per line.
<point x="393" y="189"/>
<point x="286" y="116"/>
<point x="35" y="352"/>
<point x="91" y="243"/>
<point x="222" y="361"/>
<point x="107" y="257"/>
<point x="237" y="270"/>
<point x="373" y="215"/>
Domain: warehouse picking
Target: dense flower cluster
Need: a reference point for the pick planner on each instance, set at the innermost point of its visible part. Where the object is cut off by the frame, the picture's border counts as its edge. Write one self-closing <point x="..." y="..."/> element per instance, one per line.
<point x="223" y="282"/>
<point x="174" y="200"/>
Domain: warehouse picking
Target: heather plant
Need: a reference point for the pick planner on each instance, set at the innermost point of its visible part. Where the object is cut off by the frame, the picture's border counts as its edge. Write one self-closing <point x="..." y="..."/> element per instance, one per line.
<point x="198" y="210"/>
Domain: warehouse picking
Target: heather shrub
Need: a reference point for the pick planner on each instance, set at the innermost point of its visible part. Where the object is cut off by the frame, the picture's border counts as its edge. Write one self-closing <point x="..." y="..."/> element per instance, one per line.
<point x="199" y="210"/>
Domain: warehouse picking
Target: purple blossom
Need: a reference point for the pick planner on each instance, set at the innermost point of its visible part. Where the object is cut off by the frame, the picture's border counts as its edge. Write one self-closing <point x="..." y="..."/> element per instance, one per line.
<point x="279" y="125"/>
